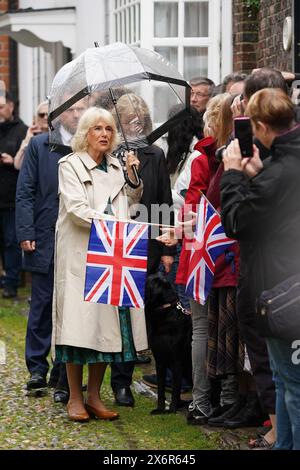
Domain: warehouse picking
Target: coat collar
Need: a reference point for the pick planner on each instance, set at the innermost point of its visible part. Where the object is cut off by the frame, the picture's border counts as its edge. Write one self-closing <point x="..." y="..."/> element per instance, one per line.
<point x="90" y="163"/>
<point x="114" y="171"/>
<point x="287" y="136"/>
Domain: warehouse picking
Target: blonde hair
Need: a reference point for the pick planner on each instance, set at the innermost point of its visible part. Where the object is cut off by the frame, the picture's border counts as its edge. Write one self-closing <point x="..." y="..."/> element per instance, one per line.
<point x="131" y="105"/>
<point x="273" y="107"/>
<point x="90" y="118"/>
<point x="218" y="115"/>
<point x="41" y="105"/>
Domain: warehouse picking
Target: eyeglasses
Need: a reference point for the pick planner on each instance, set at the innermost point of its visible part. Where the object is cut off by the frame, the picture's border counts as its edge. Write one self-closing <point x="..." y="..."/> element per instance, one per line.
<point x="42" y="115"/>
<point x="75" y="110"/>
<point x="198" y="94"/>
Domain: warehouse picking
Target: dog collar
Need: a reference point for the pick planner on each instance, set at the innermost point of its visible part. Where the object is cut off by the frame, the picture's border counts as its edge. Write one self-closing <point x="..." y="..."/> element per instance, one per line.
<point x="173" y="304"/>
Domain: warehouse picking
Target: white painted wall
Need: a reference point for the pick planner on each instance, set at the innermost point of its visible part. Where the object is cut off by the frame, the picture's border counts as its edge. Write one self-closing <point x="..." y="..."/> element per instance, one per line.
<point x="90" y="25"/>
<point x="226" y="38"/>
<point x="25" y="83"/>
<point x="37" y="4"/>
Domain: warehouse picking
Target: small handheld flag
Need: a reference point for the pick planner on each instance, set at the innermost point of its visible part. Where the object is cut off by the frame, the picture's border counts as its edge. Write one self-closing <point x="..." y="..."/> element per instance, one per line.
<point x="116" y="263"/>
<point x="209" y="242"/>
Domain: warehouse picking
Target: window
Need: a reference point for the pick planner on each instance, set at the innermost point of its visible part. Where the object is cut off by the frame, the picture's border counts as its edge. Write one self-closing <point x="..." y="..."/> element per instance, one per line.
<point x="127" y="21"/>
<point x="181" y="33"/>
<point x="196" y="19"/>
<point x="188" y="33"/>
<point x="169" y="53"/>
<point x="166" y="19"/>
<point x="195" y="62"/>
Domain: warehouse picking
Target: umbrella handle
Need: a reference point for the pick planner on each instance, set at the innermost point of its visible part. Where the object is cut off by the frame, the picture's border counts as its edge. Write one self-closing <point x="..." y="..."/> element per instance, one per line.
<point x="137" y="178"/>
<point x="128" y="181"/>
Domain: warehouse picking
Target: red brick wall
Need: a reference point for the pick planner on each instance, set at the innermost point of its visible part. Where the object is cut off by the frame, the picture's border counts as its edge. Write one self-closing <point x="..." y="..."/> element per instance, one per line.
<point x="245" y="36"/>
<point x="4" y="50"/>
<point x="270" y="50"/>
<point x="257" y="35"/>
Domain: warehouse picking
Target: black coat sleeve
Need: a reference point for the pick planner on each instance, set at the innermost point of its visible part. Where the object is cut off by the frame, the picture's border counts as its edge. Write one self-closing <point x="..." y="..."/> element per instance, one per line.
<point x="247" y="205"/>
<point x="26" y="194"/>
<point x="165" y="197"/>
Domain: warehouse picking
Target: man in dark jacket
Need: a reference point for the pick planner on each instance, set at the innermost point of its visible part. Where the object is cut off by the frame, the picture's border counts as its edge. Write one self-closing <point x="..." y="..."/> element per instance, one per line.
<point x="12" y="132"/>
<point x="36" y="214"/>
<point x="153" y="171"/>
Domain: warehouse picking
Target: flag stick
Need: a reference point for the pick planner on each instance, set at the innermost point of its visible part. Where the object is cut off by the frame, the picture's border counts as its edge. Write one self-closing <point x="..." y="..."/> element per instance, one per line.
<point x="203" y="195"/>
<point x="132" y="221"/>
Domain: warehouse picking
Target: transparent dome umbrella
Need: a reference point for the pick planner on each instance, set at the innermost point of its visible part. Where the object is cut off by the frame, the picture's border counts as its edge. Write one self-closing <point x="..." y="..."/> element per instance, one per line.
<point x="139" y="87"/>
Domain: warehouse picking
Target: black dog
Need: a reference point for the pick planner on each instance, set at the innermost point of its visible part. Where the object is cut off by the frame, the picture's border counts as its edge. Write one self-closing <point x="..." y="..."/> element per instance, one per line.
<point x="169" y="331"/>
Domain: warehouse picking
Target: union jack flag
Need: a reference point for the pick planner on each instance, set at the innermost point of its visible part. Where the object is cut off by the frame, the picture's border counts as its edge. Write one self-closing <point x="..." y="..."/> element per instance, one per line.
<point x="116" y="263"/>
<point x="209" y="242"/>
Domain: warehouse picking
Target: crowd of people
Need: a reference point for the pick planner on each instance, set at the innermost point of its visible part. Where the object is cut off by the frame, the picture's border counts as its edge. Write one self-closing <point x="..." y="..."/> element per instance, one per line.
<point x="49" y="198"/>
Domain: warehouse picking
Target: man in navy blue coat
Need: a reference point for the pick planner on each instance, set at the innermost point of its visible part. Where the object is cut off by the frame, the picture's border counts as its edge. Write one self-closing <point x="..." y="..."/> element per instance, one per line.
<point x="36" y="215"/>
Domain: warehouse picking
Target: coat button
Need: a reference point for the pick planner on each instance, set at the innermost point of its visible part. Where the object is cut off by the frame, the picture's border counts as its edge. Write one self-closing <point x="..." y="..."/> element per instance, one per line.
<point x="263" y="310"/>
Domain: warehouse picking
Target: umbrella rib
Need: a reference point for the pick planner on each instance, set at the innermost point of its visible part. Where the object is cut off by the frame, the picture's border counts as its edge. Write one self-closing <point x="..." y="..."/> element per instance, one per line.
<point x="63" y="107"/>
<point x="118" y="116"/>
<point x="161" y="130"/>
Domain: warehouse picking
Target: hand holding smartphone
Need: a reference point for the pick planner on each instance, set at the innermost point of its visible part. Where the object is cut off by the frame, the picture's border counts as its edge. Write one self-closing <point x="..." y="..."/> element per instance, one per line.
<point x="243" y="132"/>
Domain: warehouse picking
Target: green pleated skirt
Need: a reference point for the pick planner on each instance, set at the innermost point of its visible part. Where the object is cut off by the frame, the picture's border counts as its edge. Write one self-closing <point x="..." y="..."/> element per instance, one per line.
<point x="81" y="356"/>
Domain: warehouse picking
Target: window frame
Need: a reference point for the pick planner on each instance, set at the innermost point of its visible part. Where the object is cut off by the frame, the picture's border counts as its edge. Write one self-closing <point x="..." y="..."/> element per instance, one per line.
<point x="212" y="42"/>
<point x="218" y="42"/>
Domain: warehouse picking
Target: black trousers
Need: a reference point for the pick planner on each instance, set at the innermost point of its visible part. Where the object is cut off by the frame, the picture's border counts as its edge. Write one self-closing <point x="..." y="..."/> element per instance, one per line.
<point x="11" y="252"/>
<point x="257" y="351"/>
<point x="121" y="374"/>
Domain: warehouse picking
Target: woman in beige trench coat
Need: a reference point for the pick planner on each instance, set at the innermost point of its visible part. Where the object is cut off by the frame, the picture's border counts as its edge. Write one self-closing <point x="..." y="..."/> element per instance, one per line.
<point x="91" y="183"/>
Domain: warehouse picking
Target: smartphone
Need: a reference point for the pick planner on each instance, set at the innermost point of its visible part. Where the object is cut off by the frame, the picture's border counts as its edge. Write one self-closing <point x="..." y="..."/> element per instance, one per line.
<point x="243" y="132"/>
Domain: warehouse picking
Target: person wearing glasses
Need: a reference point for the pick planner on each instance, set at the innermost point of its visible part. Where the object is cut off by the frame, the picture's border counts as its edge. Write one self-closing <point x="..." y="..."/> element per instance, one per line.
<point x="39" y="125"/>
<point x="202" y="90"/>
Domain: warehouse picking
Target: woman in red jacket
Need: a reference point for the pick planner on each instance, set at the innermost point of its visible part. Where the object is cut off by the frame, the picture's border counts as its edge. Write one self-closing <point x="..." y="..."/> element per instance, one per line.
<point x="204" y="167"/>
